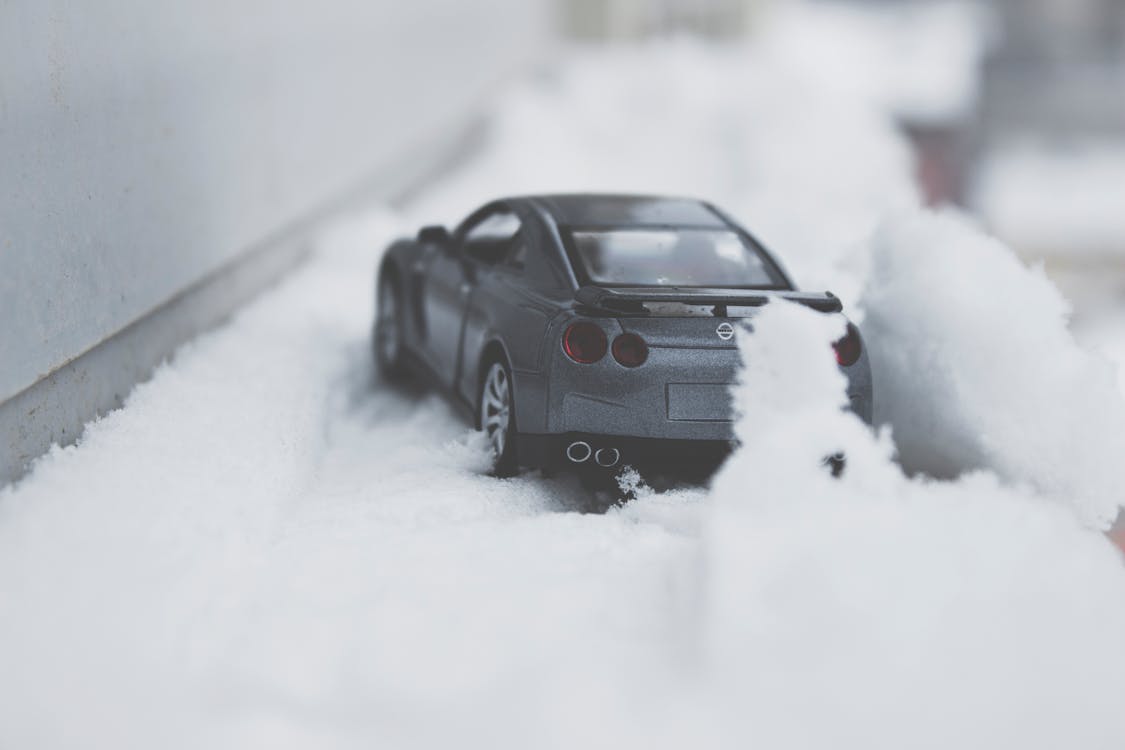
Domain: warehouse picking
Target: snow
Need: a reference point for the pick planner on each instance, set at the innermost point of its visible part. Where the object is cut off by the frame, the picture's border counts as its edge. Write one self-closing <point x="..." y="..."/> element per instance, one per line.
<point x="876" y="611"/>
<point x="268" y="548"/>
<point x="1007" y="388"/>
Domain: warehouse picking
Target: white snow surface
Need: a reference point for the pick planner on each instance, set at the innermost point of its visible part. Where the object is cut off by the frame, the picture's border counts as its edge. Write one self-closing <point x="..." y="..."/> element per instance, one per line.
<point x="269" y="548"/>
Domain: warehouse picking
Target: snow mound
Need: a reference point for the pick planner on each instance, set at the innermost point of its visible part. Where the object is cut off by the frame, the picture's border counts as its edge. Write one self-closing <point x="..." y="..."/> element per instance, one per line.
<point x="975" y="367"/>
<point x="878" y="611"/>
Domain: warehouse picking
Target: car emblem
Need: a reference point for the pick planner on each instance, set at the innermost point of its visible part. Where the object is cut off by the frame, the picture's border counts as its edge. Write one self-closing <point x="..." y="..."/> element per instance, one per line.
<point x="725" y="331"/>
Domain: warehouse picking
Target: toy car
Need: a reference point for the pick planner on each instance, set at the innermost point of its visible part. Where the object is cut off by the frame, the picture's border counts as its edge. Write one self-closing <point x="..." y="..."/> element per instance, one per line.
<point x="588" y="331"/>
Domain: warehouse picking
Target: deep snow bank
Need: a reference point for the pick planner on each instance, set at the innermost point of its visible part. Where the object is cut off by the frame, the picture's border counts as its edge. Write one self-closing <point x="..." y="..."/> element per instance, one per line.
<point x="976" y="368"/>
<point x="878" y="611"/>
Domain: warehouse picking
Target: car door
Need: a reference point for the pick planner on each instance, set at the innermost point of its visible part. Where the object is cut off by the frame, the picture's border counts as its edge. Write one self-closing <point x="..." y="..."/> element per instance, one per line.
<point x="451" y="278"/>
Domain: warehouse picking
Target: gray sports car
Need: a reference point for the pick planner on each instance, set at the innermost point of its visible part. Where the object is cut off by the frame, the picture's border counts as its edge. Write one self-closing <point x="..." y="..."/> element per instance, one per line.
<point x="588" y="331"/>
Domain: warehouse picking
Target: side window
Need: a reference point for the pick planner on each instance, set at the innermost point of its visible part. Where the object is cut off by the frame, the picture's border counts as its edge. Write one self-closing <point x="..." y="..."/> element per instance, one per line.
<point x="490" y="239"/>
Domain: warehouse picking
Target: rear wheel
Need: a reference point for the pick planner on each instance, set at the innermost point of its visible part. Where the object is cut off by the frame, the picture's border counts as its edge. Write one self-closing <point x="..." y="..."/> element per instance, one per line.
<point x="388" y="337"/>
<point x="497" y="418"/>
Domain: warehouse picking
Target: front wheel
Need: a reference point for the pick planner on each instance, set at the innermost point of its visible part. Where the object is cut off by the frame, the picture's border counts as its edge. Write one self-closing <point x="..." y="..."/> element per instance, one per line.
<point x="387" y="338"/>
<point x="497" y="418"/>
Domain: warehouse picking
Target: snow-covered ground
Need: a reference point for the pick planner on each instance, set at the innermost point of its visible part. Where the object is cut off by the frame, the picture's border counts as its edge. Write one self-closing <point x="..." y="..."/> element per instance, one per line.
<point x="268" y="548"/>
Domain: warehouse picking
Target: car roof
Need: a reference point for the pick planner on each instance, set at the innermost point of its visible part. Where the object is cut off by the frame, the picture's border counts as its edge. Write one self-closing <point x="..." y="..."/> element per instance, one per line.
<point x="608" y="210"/>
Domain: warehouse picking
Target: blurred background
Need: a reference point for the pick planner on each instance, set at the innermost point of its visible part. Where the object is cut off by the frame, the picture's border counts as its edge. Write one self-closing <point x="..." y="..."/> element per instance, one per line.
<point x="170" y="159"/>
<point x="1015" y="109"/>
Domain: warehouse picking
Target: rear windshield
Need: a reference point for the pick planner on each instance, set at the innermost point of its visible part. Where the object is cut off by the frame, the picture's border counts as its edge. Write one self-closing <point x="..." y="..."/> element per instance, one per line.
<point x="672" y="257"/>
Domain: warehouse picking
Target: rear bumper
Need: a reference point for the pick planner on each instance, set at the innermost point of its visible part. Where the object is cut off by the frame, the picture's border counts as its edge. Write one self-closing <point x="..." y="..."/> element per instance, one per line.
<point x="701" y="456"/>
<point x="690" y="456"/>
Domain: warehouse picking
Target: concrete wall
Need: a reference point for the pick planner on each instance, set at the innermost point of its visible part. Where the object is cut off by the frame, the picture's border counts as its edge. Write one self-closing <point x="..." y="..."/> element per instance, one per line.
<point x="145" y="143"/>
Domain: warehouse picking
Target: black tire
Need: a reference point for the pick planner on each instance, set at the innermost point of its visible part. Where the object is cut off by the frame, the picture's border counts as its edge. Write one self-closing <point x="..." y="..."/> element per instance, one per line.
<point x="497" y="417"/>
<point x="388" y="335"/>
<point x="836" y="464"/>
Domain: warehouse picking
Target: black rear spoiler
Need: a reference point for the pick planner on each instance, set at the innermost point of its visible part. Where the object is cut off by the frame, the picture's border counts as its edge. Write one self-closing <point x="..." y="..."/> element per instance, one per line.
<point x="633" y="299"/>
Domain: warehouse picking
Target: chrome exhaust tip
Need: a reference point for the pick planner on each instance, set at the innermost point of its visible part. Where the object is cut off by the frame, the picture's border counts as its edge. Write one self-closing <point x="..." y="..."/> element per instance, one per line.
<point x="607" y="457"/>
<point x="579" y="451"/>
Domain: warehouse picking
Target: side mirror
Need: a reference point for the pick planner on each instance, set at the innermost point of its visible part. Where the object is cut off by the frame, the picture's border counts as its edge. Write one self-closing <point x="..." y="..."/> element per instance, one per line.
<point x="434" y="235"/>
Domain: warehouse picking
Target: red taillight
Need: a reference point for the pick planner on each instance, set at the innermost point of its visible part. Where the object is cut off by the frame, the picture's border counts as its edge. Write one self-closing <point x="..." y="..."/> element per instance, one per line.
<point x="848" y="348"/>
<point x="585" y="342"/>
<point x="630" y="350"/>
